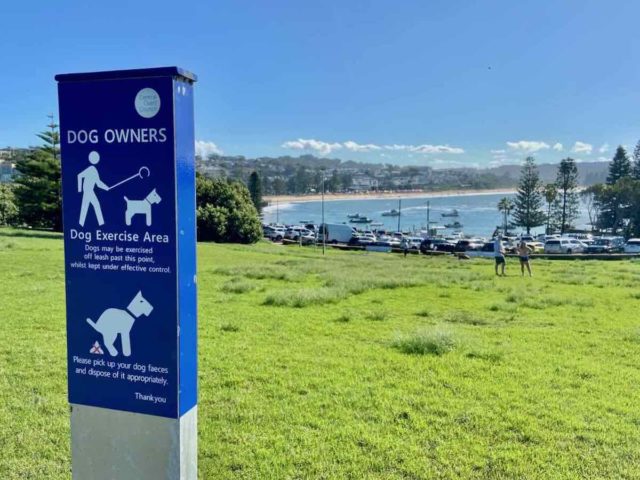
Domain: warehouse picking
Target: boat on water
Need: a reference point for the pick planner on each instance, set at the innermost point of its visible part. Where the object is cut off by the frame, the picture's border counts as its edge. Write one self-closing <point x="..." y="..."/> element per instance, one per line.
<point x="452" y="213"/>
<point x="455" y="225"/>
<point x="353" y="215"/>
<point x="360" y="219"/>
<point x="377" y="224"/>
<point x="391" y="213"/>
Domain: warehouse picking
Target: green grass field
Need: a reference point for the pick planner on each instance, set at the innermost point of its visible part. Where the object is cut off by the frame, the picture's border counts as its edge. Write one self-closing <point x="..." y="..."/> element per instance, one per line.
<point x="361" y="366"/>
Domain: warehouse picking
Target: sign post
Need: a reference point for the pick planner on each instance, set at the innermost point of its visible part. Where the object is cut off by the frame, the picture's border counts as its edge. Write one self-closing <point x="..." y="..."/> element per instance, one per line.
<point x="128" y="186"/>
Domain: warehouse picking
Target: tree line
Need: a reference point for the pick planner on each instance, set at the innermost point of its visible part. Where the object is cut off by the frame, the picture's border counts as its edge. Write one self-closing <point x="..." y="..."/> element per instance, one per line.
<point x="613" y="207"/>
<point x="225" y="209"/>
<point x="554" y="205"/>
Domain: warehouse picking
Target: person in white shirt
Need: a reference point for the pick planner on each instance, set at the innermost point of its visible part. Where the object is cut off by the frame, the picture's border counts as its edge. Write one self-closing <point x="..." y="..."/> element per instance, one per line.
<point x="498" y="252"/>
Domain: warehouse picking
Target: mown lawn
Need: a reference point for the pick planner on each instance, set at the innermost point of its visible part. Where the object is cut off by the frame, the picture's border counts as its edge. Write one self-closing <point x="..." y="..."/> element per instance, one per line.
<point x="361" y="366"/>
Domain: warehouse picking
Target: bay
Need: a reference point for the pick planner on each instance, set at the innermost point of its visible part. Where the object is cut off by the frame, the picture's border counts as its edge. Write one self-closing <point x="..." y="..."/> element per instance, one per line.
<point x="478" y="212"/>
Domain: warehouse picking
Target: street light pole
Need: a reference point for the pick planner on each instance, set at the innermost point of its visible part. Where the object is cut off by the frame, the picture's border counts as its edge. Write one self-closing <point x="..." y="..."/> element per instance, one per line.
<point x="324" y="227"/>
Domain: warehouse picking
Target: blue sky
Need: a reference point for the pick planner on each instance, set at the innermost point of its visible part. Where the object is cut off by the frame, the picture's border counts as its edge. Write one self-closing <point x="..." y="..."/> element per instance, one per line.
<point x="437" y="83"/>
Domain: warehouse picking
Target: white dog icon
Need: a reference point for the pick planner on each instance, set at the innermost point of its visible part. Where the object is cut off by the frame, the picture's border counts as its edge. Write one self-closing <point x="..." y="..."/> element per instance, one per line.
<point x="142" y="207"/>
<point x="114" y="322"/>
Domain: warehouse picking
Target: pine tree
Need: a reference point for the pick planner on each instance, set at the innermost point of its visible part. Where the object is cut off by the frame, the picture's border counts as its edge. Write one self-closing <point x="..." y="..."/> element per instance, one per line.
<point x="636" y="162"/>
<point x="567" y="184"/>
<point x="255" y="190"/>
<point x="38" y="185"/>
<point x="528" y="203"/>
<point x="619" y="167"/>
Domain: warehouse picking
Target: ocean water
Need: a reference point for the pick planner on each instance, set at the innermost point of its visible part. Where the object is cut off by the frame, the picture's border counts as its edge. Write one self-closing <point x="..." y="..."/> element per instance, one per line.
<point x="478" y="213"/>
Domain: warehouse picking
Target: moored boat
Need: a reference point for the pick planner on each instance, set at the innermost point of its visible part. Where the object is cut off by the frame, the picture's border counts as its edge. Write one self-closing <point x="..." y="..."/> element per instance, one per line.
<point x="391" y="213"/>
<point x="360" y="219"/>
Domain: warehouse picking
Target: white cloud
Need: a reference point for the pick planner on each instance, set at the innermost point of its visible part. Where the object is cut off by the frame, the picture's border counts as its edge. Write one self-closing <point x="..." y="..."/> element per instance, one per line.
<point x="325" y="148"/>
<point x="498" y="152"/>
<point x="558" y="147"/>
<point x="425" y="148"/>
<point x="204" y="149"/>
<point x="319" y="146"/>
<point x="357" y="147"/>
<point x="436" y="149"/>
<point x="528" y="146"/>
<point x="604" y="148"/>
<point x="603" y="159"/>
<point x="581" y="147"/>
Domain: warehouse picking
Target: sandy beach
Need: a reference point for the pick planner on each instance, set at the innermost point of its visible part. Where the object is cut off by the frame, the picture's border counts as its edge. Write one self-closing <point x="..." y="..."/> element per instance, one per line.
<point x="272" y="199"/>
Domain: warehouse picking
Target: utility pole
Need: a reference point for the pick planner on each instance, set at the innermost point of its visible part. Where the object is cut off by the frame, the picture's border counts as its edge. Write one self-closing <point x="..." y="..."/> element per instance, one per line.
<point x="52" y="125"/>
<point x="428" y="221"/>
<point x="324" y="227"/>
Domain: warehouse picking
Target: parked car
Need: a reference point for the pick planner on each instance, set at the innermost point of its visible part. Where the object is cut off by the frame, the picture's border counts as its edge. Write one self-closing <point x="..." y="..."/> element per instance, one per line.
<point x="545" y="238"/>
<point x="437" y="244"/>
<point x="275" y="234"/>
<point x="537" y="247"/>
<point x="412" y="243"/>
<point x="564" y="245"/>
<point x="308" y="238"/>
<point x="525" y="237"/>
<point x="469" y="244"/>
<point x="292" y="233"/>
<point x="606" y="245"/>
<point x="358" y="239"/>
<point x="632" y="246"/>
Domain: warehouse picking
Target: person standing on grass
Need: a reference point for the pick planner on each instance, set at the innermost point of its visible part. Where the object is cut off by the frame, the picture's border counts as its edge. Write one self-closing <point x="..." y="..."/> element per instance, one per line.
<point x="498" y="252"/>
<point x="523" y="252"/>
<point x="405" y="246"/>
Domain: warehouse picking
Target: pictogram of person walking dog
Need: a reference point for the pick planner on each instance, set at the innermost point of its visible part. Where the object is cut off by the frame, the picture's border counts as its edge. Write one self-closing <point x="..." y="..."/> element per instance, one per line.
<point x="89" y="180"/>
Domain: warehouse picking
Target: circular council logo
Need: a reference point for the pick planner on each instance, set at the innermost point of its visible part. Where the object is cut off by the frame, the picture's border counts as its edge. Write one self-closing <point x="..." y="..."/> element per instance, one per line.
<point x="147" y="103"/>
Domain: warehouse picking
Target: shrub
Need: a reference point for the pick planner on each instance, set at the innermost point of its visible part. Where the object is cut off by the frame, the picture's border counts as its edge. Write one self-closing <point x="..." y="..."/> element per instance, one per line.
<point x="229" y="327"/>
<point x="436" y="342"/>
<point x="225" y="212"/>
<point x="303" y="297"/>
<point x="463" y="316"/>
<point x="237" y="286"/>
<point x="345" y="317"/>
<point x="378" y="316"/>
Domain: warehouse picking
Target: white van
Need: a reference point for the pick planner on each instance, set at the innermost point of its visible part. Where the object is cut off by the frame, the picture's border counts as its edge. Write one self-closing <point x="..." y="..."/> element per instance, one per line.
<point x="336" y="232"/>
<point x="564" y="245"/>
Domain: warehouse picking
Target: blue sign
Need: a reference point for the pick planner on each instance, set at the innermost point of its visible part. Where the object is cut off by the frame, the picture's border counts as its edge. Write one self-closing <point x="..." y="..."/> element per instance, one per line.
<point x="128" y="186"/>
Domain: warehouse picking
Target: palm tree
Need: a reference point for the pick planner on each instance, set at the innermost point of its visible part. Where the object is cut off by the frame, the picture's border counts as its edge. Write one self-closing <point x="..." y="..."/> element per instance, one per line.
<point x="550" y="192"/>
<point x="505" y="205"/>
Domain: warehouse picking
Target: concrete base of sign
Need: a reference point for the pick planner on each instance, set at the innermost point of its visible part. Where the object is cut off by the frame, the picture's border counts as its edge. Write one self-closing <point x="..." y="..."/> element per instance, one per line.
<point x="110" y="444"/>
